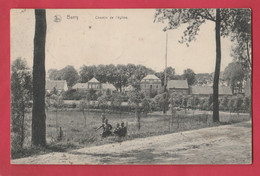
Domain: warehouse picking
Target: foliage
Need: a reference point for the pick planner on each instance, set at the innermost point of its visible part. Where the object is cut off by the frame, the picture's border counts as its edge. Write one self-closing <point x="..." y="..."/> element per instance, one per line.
<point x="170" y="74"/>
<point x="189" y="75"/>
<point x="135" y="99"/>
<point x="103" y="102"/>
<point x="225" y="21"/>
<point x="241" y="35"/>
<point x="234" y="75"/>
<point x="68" y="73"/>
<point x="21" y="96"/>
<point x="84" y="105"/>
<point x="146" y="106"/>
<point x="162" y="101"/>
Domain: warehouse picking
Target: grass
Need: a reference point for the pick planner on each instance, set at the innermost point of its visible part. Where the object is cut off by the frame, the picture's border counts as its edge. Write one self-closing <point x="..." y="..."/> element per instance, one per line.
<point x="78" y="135"/>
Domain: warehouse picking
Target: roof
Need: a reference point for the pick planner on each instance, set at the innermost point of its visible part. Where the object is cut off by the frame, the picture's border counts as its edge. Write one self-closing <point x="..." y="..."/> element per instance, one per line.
<point x="129" y="88"/>
<point x="177" y="84"/>
<point x="80" y="86"/>
<point x="151" y="77"/>
<point x="208" y="90"/>
<point x="108" y="86"/>
<point x="93" y="80"/>
<point x="58" y="84"/>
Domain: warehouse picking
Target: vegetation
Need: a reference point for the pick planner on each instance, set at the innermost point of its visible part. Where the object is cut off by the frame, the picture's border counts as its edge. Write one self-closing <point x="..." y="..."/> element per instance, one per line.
<point x="21" y="84"/>
<point x="77" y="135"/>
<point x="227" y="22"/>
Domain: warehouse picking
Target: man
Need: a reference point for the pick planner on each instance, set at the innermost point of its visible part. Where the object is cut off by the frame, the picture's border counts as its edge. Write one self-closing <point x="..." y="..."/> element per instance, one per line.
<point x="123" y="130"/>
<point x="106" y="128"/>
<point x="117" y="129"/>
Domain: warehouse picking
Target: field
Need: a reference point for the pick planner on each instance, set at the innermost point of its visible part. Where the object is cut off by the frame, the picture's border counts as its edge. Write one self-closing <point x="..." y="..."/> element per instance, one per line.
<point x="75" y="134"/>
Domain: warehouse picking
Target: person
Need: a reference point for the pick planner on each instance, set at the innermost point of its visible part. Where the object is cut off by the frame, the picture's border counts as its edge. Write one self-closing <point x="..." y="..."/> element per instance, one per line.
<point x="117" y="129"/>
<point x="106" y="128"/>
<point x="123" y="130"/>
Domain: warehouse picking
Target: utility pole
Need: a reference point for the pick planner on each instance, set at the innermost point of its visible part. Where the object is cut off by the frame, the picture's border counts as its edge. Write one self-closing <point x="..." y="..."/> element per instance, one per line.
<point x="165" y="74"/>
<point x="165" y="78"/>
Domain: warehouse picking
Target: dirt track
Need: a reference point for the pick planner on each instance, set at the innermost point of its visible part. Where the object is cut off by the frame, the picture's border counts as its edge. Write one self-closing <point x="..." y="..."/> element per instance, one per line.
<point x="228" y="144"/>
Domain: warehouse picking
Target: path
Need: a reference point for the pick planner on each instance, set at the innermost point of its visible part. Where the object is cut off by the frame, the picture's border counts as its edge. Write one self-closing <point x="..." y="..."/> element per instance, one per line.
<point x="228" y="144"/>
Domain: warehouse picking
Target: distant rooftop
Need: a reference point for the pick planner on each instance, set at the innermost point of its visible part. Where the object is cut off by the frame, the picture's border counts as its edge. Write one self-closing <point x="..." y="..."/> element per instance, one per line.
<point x="177" y="84"/>
<point x="151" y="77"/>
<point x="108" y="86"/>
<point x="93" y="80"/>
<point x="58" y="84"/>
<point x="80" y="86"/>
<point x="208" y="90"/>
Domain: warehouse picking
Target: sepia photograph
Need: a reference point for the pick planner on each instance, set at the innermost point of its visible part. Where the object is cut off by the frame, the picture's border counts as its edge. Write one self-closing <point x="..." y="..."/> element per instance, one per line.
<point x="131" y="86"/>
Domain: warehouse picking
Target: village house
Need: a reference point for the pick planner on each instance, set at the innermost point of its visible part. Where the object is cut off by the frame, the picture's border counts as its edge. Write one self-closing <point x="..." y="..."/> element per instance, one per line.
<point x="150" y="83"/>
<point x="208" y="90"/>
<point x="94" y="84"/>
<point x="59" y="85"/>
<point x="107" y="86"/>
<point x="80" y="86"/>
<point x="178" y="87"/>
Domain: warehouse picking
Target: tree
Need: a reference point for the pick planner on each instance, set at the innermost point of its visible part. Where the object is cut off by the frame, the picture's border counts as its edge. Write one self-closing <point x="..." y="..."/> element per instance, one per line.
<point x="21" y="84"/>
<point x="84" y="104"/>
<point x="146" y="106"/>
<point x="56" y="102"/>
<point x="189" y="75"/>
<point x="224" y="19"/>
<point x="238" y="104"/>
<point x="231" y="105"/>
<point x="162" y="101"/>
<point x="103" y="102"/>
<point x="234" y="75"/>
<point x="54" y="74"/>
<point x="68" y="73"/>
<point x="241" y="34"/>
<point x="86" y="73"/>
<point x="135" y="99"/>
<point x="38" y="110"/>
<point x="170" y="74"/>
<point x="246" y="104"/>
<point x="116" y="101"/>
<point x="224" y="103"/>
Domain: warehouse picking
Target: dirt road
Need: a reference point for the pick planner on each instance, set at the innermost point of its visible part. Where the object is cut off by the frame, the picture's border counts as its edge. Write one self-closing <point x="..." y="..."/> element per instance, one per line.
<point x="228" y="144"/>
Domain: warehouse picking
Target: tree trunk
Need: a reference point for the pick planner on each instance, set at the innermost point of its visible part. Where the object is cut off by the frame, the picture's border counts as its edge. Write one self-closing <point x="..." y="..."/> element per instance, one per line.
<point x="22" y="130"/>
<point x="217" y="68"/>
<point x="38" y="111"/>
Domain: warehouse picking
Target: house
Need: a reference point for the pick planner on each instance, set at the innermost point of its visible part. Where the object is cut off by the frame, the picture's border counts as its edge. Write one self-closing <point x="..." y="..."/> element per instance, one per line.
<point x="178" y="86"/>
<point x="208" y="90"/>
<point x="150" y="83"/>
<point x="106" y="86"/>
<point x="80" y="86"/>
<point x="59" y="85"/>
<point x="94" y="84"/>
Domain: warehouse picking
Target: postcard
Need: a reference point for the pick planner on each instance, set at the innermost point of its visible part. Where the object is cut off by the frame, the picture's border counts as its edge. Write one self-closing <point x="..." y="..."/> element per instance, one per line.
<point x="131" y="86"/>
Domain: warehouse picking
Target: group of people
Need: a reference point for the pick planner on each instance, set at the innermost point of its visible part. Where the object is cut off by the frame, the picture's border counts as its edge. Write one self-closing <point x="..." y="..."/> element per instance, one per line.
<point x="119" y="131"/>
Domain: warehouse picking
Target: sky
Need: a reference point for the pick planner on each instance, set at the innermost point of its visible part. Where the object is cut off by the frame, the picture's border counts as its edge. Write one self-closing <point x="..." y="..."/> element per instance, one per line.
<point x="114" y="36"/>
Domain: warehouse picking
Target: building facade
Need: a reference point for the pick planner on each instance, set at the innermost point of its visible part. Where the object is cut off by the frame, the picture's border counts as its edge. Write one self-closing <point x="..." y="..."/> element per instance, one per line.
<point x="178" y="87"/>
<point x="151" y="83"/>
<point x="59" y="85"/>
